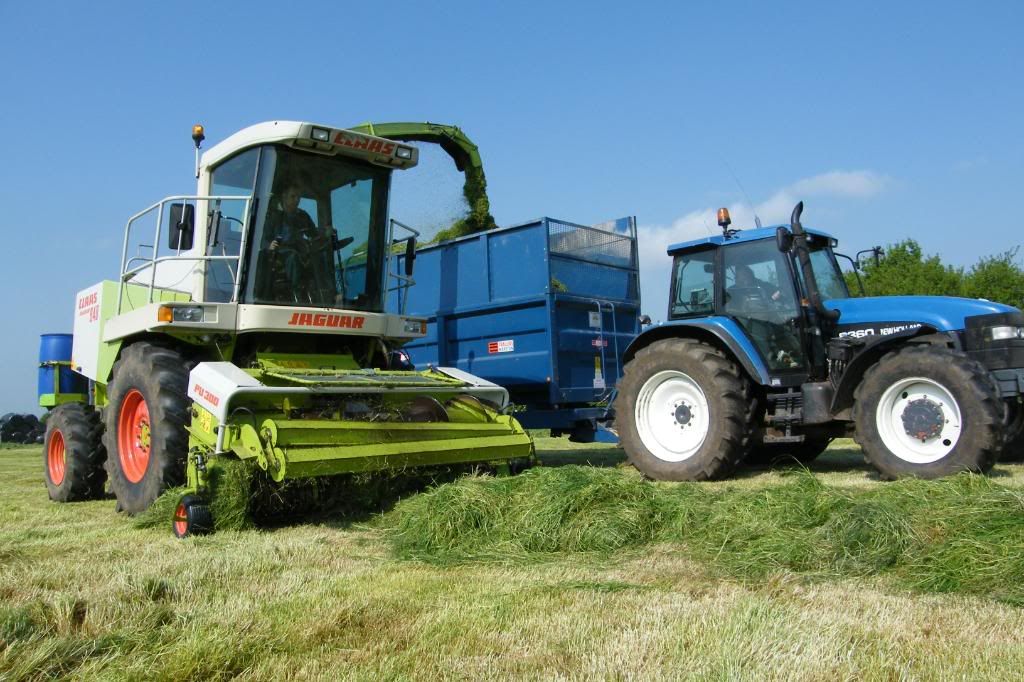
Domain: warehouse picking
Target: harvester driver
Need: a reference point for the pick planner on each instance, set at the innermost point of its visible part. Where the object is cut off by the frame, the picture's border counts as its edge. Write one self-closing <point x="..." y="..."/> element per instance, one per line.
<point x="300" y="249"/>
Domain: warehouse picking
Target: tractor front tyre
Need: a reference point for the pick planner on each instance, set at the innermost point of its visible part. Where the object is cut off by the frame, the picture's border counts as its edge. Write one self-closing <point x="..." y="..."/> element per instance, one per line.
<point x="73" y="454"/>
<point x="192" y="517"/>
<point x="682" y="412"/>
<point x="928" y="412"/>
<point x="146" y="416"/>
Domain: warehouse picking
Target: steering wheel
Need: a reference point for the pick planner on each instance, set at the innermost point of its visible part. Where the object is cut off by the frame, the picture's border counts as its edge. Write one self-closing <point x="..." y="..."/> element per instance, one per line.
<point x="748" y="299"/>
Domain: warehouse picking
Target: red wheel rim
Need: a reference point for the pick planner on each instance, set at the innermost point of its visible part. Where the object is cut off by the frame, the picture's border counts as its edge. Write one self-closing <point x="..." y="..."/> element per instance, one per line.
<point x="55" y="458"/>
<point x="180" y="520"/>
<point x="133" y="436"/>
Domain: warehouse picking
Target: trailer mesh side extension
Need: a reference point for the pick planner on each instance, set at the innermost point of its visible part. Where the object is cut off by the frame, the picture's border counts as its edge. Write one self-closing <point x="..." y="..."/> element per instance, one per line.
<point x="592" y="244"/>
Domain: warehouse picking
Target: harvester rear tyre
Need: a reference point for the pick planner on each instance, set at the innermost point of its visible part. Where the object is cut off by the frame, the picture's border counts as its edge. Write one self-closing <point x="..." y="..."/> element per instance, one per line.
<point x="683" y="412"/>
<point x="145" y="419"/>
<point x="950" y="400"/>
<point x="73" y="454"/>
<point x="191" y="517"/>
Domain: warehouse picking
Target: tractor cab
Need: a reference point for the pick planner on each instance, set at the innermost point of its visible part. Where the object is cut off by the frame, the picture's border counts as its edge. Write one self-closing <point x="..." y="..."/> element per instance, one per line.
<point x="753" y="278"/>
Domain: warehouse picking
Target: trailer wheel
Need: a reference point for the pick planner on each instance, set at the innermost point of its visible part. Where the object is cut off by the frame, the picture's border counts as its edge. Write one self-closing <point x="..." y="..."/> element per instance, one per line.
<point x="927" y="411"/>
<point x="682" y="412"/>
<point x="146" y="418"/>
<point x="192" y="517"/>
<point x="73" y="454"/>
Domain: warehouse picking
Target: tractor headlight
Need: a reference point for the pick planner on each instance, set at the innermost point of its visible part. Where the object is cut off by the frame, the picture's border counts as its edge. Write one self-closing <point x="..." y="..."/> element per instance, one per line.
<point x="404" y="153"/>
<point x="1005" y="333"/>
<point x="320" y="135"/>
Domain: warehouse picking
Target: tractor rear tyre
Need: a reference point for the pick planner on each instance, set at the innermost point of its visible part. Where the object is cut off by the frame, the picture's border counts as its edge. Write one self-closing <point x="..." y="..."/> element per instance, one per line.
<point x="682" y="412"/>
<point x="928" y="411"/>
<point x="146" y="417"/>
<point x="73" y="454"/>
<point x="192" y="517"/>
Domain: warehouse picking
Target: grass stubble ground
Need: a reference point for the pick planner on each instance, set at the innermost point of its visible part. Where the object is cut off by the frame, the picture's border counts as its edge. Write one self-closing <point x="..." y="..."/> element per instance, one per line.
<point x="562" y="573"/>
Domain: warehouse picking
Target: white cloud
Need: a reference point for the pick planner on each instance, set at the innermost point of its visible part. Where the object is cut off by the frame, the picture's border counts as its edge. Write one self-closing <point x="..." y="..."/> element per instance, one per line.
<point x="654" y="240"/>
<point x="856" y="184"/>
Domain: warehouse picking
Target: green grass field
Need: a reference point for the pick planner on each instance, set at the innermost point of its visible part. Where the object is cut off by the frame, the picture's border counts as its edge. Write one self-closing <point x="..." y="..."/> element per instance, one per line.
<point x="563" y="573"/>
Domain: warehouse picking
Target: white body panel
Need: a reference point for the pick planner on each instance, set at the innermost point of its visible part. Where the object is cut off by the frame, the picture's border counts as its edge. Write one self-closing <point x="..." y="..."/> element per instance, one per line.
<point x="231" y="318"/>
<point x="215" y="385"/>
<point x="85" y="348"/>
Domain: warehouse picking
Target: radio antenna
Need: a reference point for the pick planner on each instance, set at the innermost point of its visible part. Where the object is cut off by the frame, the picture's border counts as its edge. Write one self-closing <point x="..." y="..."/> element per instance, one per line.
<point x="743" y="191"/>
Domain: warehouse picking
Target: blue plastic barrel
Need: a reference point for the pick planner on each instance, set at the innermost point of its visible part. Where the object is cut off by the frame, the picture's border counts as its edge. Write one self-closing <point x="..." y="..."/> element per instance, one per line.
<point x="57" y="348"/>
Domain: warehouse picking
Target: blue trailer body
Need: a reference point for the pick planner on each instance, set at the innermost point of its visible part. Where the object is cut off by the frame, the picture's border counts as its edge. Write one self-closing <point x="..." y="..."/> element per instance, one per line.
<point x="545" y="308"/>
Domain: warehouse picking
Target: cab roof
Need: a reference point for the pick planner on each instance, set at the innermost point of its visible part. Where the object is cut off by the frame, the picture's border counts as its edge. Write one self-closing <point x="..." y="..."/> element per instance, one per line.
<point x="739" y="237"/>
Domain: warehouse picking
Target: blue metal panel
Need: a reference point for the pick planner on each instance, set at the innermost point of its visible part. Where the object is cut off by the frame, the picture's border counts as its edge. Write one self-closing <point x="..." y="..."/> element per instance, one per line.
<point x="739" y="237"/>
<point x="944" y="313"/>
<point x="518" y="263"/>
<point x="724" y="328"/>
<point x="545" y="308"/>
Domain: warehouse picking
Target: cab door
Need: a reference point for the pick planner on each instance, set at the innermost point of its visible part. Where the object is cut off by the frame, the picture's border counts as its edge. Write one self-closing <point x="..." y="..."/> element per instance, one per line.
<point x="757" y="290"/>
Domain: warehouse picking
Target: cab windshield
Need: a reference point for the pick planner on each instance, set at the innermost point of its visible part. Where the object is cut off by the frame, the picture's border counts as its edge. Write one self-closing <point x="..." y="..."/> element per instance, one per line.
<point x="319" y="231"/>
<point x="827" y="274"/>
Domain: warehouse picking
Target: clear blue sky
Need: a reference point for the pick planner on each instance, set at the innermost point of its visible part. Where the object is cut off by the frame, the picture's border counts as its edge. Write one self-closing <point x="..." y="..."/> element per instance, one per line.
<point x="890" y="120"/>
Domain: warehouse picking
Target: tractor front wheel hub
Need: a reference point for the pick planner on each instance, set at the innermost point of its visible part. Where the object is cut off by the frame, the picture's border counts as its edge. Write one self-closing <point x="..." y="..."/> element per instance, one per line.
<point x="923" y="419"/>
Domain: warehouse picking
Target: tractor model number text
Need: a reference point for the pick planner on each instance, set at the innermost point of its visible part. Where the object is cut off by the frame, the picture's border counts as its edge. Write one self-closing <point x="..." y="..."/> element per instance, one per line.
<point x="883" y="331"/>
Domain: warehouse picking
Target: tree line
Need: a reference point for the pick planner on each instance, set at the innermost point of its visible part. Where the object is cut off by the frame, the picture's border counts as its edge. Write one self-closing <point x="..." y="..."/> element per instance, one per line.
<point x="904" y="269"/>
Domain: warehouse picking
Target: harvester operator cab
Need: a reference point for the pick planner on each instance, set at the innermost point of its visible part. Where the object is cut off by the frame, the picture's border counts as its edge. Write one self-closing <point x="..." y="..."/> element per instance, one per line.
<point x="285" y="214"/>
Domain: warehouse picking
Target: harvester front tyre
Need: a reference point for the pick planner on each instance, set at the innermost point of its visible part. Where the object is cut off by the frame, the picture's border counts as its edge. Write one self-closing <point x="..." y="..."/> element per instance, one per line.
<point x="145" y="418"/>
<point x="682" y="412"/>
<point x="927" y="412"/>
<point x="73" y="454"/>
<point x="192" y="517"/>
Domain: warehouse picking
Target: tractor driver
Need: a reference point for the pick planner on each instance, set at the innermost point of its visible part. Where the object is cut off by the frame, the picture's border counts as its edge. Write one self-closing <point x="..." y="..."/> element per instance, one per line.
<point x="747" y="282"/>
<point x="300" y="250"/>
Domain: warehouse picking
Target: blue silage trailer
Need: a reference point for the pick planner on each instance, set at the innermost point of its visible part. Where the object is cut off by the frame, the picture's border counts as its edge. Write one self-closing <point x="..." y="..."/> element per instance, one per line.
<point x="545" y="308"/>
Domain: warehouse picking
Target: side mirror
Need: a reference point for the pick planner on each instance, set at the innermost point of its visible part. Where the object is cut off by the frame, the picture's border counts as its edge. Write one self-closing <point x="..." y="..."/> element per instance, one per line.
<point x="410" y="255"/>
<point x="183" y="226"/>
<point x="644" y="320"/>
<point x="783" y="239"/>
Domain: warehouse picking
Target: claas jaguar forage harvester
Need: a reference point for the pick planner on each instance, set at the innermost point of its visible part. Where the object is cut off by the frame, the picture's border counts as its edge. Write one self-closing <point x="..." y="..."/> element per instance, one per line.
<point x="248" y="324"/>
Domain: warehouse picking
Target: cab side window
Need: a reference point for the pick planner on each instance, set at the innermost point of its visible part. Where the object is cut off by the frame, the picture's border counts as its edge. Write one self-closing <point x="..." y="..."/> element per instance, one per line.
<point x="693" y="284"/>
<point x="234" y="177"/>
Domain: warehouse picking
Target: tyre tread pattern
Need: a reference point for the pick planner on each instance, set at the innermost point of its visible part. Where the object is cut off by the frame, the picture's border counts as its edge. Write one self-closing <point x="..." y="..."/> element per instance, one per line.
<point x="84" y="473"/>
<point x="728" y="384"/>
<point x="161" y="374"/>
<point x="972" y="376"/>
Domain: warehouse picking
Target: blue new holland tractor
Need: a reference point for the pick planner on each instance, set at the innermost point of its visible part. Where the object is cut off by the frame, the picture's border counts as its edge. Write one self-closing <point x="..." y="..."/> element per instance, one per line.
<point x="765" y="353"/>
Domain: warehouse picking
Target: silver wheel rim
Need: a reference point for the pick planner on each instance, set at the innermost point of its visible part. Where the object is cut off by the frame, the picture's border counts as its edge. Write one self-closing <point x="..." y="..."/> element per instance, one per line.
<point x="672" y="416"/>
<point x="889" y="417"/>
